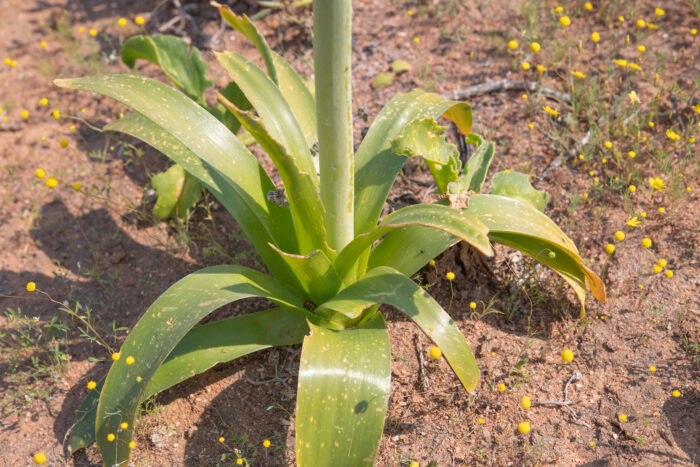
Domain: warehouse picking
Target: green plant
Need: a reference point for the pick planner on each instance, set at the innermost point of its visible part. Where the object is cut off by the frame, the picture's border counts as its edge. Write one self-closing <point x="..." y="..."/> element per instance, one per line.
<point x="317" y="237"/>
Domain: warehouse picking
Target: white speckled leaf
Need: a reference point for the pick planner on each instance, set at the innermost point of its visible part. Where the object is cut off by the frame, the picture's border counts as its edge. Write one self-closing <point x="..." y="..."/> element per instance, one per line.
<point x="387" y="285"/>
<point x="342" y="397"/>
<point x="438" y="217"/>
<point x="202" y="348"/>
<point x="153" y="338"/>
<point x="376" y="166"/>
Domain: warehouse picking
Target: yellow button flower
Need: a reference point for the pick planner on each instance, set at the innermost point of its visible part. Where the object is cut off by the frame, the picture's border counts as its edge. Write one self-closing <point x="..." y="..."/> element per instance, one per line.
<point x="139" y="20"/>
<point x="39" y="458"/>
<point x="92" y="32"/>
<point x="669" y="273"/>
<point x="622" y="417"/>
<point x="501" y="387"/>
<point x="525" y="402"/>
<point x="435" y="352"/>
<point x="659" y="11"/>
<point x="646" y="242"/>
<point x="266" y="443"/>
<point x="111" y="437"/>
<point x="588" y="6"/>
<point x="24" y="114"/>
<point x="121" y="22"/>
<point x="513" y="44"/>
<point x="40" y="173"/>
<point x="43" y="102"/>
<point x="116" y="356"/>
<point x="619" y="236"/>
<point x="124" y="426"/>
<point x="524" y="427"/>
<point x="567" y="355"/>
<point x="641" y="23"/>
<point x="676" y="393"/>
<point x="91" y="385"/>
<point x="535" y="47"/>
<point x="51" y="182"/>
<point x="450" y="276"/>
<point x="565" y="21"/>
<point x="610" y="248"/>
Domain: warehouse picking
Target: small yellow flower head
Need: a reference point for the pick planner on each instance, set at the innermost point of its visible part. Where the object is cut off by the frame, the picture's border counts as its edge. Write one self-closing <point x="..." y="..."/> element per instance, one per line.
<point x="129" y="360"/>
<point x="39" y="458"/>
<point x="525" y="402"/>
<point x="641" y="23"/>
<point x="578" y="74"/>
<point x="501" y="387"/>
<point x="525" y="66"/>
<point x="651" y="124"/>
<point x="693" y="32"/>
<point x="657" y="269"/>
<point x="663" y="263"/>
<point x="565" y="21"/>
<point x="92" y="32"/>
<point x="672" y="135"/>
<point x="580" y="157"/>
<point x="481" y="421"/>
<point x="13" y="63"/>
<point x="81" y="29"/>
<point x="124" y="426"/>
<point x="662" y="210"/>
<point x="641" y="48"/>
<point x="51" y="182"/>
<point x="622" y="417"/>
<point x="222" y="439"/>
<point x="634" y="98"/>
<point x="657" y="183"/>
<point x="646" y="242"/>
<point x="535" y="47"/>
<point x="111" y="437"/>
<point x="414" y="464"/>
<point x="435" y="352"/>
<point x="524" y="96"/>
<point x="116" y="356"/>
<point x="138" y="379"/>
<point x="559" y="9"/>
<point x="588" y="6"/>
<point x="472" y="305"/>
<point x="550" y="110"/>
<point x="524" y="427"/>
<point x="416" y="39"/>
<point x="659" y="12"/>
<point x="83" y="110"/>
<point x="431" y="262"/>
<point x="40" y="173"/>
<point x="43" y="44"/>
<point x="632" y="154"/>
<point x="567" y="355"/>
<point x="541" y="68"/>
<point x="43" y="102"/>
<point x="450" y="276"/>
<point x="610" y="248"/>
<point x="71" y="128"/>
<point x="132" y="444"/>
<point x="608" y="144"/>
<point x="585" y="196"/>
<point x="64" y="143"/>
<point x="592" y="444"/>
<point x="531" y="126"/>
<point x="409" y="12"/>
<point x="676" y="393"/>
<point x="669" y="273"/>
<point x="634" y="222"/>
<point x="24" y="114"/>
<point x="595" y="37"/>
<point x="56" y="114"/>
<point x="91" y="385"/>
<point x="239" y="461"/>
<point x="139" y="20"/>
<point x="619" y="235"/>
<point x="513" y="44"/>
<point x="121" y="22"/>
<point x="31" y="286"/>
<point x="266" y="443"/>
<point x="621" y="19"/>
<point x="652" y="369"/>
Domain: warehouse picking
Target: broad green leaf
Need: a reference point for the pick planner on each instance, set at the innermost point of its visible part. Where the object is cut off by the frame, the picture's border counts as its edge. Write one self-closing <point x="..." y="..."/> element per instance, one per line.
<point x="208" y="139"/>
<point x="243" y="25"/>
<point x="140" y="127"/>
<point x="180" y="62"/>
<point x="163" y="325"/>
<point x="293" y="87"/>
<point x="316" y="273"/>
<point x="400" y="66"/>
<point x="376" y="166"/>
<point x="387" y="285"/>
<point x="200" y="349"/>
<point x="271" y="106"/>
<point x="343" y="393"/>
<point x="304" y="199"/>
<point x="435" y="216"/>
<point x="423" y="137"/>
<point x="517" y="185"/>
<point x="517" y="224"/>
<point x="410" y="248"/>
<point x="475" y="171"/>
<point x="296" y="92"/>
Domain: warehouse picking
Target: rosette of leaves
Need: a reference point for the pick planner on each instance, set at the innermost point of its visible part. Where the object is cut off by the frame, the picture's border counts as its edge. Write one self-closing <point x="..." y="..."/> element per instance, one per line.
<point x="331" y="259"/>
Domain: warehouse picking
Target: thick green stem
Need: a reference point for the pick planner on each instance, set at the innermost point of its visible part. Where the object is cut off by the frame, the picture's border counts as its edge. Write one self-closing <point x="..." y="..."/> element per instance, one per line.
<point x="332" y="69"/>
